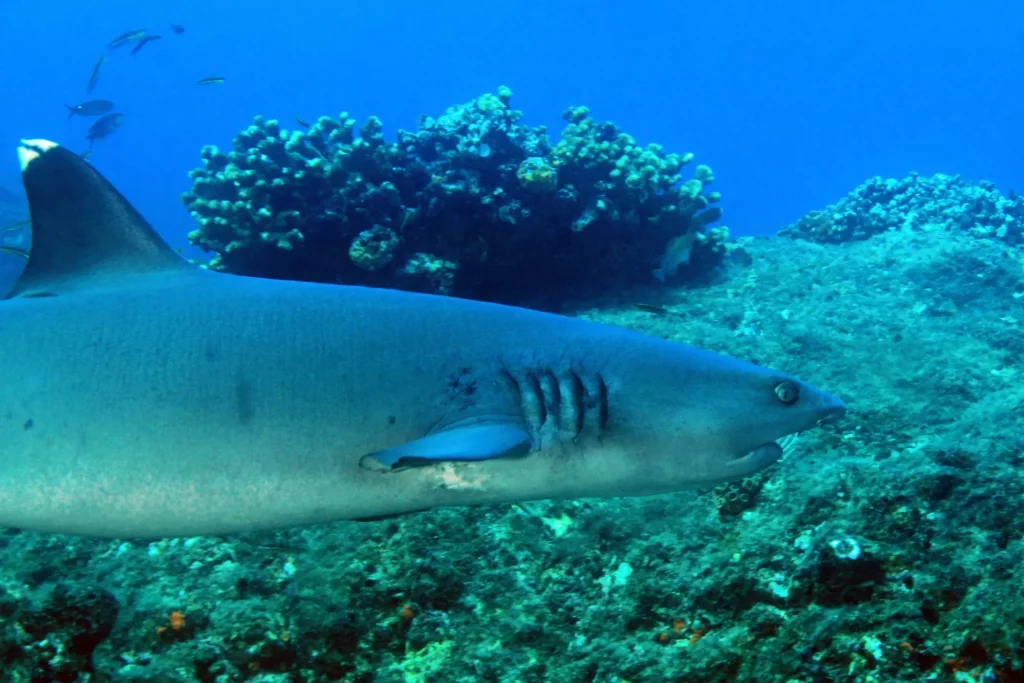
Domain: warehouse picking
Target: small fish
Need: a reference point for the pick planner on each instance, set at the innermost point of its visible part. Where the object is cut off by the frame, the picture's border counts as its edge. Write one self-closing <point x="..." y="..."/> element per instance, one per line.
<point x="12" y="243"/>
<point x="302" y="122"/>
<point x="16" y="251"/>
<point x="95" y="77"/>
<point x="650" y="308"/>
<point x="677" y="253"/>
<point x="142" y="41"/>
<point x="127" y="37"/>
<point x="104" y="127"/>
<point x="14" y="226"/>
<point x="210" y="80"/>
<point x="86" y="155"/>
<point x="90" y="108"/>
<point x="178" y="28"/>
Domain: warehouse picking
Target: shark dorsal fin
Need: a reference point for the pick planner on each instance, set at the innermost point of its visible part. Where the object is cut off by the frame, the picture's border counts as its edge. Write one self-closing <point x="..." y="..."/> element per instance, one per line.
<point x="84" y="231"/>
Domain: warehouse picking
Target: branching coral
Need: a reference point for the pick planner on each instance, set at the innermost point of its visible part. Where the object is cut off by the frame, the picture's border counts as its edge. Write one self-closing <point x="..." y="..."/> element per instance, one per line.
<point x="473" y="203"/>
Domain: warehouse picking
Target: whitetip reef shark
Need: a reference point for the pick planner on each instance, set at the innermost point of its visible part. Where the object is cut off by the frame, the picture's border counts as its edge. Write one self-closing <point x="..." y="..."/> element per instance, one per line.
<point x="144" y="397"/>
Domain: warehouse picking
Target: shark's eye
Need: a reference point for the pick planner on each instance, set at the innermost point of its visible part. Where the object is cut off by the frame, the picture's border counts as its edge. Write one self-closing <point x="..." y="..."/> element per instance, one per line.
<point x="787" y="392"/>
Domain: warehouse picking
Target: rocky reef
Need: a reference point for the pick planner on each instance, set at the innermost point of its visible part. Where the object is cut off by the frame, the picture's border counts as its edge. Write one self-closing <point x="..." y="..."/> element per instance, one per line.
<point x="473" y="203"/>
<point x="939" y="202"/>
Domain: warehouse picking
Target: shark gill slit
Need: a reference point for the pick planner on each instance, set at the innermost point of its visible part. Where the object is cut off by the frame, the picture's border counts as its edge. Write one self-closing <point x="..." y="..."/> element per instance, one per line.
<point x="602" y="402"/>
<point x="549" y="387"/>
<point x="578" y="394"/>
<point x="533" y="402"/>
<point x="559" y="402"/>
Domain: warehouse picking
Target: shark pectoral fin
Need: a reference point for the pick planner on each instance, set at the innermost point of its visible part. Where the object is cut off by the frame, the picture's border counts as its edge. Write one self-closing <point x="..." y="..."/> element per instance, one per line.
<point x="83" y="229"/>
<point x="474" y="442"/>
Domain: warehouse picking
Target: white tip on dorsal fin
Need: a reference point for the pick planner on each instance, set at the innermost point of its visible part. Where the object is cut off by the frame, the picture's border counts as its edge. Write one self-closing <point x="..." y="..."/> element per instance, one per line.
<point x="83" y="230"/>
<point x="29" y="150"/>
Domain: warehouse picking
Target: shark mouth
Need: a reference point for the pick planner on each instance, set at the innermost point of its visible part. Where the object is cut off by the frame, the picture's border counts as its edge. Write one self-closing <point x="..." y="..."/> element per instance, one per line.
<point x="769" y="453"/>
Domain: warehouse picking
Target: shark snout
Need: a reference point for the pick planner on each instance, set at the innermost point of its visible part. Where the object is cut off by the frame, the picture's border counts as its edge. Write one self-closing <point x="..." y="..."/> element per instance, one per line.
<point x="817" y="408"/>
<point x="832" y="408"/>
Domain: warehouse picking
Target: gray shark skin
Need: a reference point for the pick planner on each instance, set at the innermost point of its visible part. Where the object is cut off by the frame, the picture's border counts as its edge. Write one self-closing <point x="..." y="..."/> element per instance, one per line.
<point x="143" y="397"/>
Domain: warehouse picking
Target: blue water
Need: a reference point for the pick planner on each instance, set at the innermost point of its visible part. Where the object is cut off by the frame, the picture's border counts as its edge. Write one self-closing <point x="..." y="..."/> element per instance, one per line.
<point x="792" y="105"/>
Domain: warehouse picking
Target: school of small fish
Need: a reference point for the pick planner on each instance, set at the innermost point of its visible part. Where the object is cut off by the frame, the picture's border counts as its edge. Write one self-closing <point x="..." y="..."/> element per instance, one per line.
<point x="108" y="120"/>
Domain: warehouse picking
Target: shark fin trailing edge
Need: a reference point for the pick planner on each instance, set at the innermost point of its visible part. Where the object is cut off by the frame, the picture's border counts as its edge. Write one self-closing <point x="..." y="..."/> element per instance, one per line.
<point x="83" y="229"/>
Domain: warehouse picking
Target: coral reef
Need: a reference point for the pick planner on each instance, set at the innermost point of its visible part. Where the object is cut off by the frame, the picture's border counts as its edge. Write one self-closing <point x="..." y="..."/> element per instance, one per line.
<point x="473" y="203"/>
<point x="939" y="202"/>
<point x="884" y="548"/>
